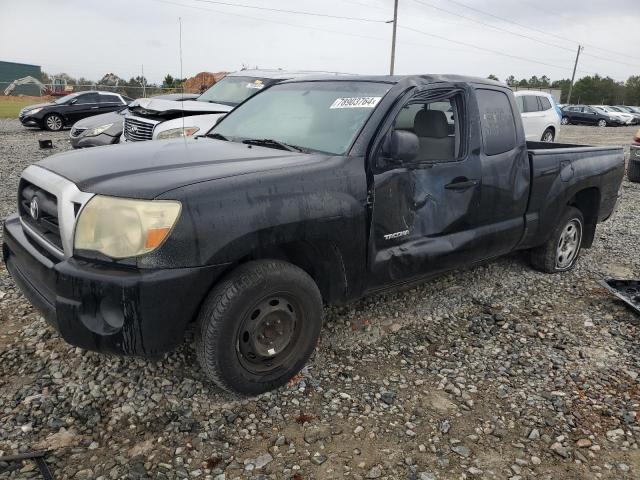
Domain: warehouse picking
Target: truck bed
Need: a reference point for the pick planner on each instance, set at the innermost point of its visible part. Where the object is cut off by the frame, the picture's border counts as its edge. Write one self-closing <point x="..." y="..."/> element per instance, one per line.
<point x="563" y="174"/>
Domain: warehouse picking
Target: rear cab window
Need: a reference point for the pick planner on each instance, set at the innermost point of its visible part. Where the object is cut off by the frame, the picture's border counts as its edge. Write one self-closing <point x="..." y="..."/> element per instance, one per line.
<point x="497" y="121"/>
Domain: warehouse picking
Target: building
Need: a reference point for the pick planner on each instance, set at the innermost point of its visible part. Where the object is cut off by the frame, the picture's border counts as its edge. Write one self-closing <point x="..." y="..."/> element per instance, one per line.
<point x="10" y="71"/>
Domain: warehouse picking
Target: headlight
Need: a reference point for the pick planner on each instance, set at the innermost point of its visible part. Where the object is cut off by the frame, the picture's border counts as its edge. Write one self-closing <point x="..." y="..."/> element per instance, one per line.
<point x="98" y="130"/>
<point x="177" y="132"/>
<point x="121" y="228"/>
<point x="31" y="112"/>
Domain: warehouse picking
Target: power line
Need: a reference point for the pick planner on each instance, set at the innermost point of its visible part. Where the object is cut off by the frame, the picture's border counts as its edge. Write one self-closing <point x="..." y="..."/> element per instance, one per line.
<point x="496" y="52"/>
<point x="471" y="19"/>
<point x="500" y="29"/>
<point x="295" y="12"/>
<point x="544" y="32"/>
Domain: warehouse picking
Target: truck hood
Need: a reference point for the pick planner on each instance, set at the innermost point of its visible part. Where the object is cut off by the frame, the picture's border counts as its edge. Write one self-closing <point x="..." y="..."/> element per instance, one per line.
<point x="148" y="169"/>
<point x="159" y="107"/>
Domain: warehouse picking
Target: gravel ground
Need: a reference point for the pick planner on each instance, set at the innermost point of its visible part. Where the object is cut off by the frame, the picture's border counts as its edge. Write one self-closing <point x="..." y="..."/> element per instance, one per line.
<point x="495" y="371"/>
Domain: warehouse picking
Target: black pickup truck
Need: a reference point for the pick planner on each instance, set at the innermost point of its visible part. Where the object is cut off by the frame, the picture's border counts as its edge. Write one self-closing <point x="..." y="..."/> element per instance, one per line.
<point x="316" y="190"/>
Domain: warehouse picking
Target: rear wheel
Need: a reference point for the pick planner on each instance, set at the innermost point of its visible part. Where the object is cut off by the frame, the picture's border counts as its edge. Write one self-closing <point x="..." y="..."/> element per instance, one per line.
<point x="548" y="135"/>
<point x="53" y="122"/>
<point x="602" y="123"/>
<point x="259" y="326"/>
<point x="564" y="121"/>
<point x="561" y="251"/>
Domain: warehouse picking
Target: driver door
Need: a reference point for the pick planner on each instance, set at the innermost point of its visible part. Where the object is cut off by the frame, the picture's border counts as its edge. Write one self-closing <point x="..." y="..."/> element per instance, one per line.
<point x="425" y="211"/>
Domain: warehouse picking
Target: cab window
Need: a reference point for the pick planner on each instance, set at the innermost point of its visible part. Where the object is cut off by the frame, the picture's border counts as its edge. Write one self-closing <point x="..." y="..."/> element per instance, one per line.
<point x="497" y="121"/>
<point x="436" y="124"/>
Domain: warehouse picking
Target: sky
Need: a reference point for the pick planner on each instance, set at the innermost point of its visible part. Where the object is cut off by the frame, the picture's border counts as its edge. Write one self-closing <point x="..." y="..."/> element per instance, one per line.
<point x="90" y="38"/>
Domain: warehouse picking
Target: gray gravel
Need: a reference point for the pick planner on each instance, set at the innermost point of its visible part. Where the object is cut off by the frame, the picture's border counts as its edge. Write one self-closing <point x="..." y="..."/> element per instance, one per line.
<point x="495" y="371"/>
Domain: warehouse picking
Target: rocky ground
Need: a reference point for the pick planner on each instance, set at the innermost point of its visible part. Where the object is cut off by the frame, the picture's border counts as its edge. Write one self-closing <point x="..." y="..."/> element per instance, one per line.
<point x="496" y="371"/>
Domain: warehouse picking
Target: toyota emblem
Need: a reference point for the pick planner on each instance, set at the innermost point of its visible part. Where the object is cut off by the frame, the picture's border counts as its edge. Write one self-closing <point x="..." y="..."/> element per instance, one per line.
<point x="33" y="208"/>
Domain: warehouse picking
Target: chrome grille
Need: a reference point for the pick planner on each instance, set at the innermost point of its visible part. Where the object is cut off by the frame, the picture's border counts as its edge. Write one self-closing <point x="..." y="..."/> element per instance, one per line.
<point x="76" y="132"/>
<point x="49" y="221"/>
<point x="136" y="130"/>
<point x="39" y="210"/>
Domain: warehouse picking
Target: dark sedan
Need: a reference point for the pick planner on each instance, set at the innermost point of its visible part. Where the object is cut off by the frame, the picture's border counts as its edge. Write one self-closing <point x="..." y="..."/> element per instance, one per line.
<point x="106" y="129"/>
<point x="67" y="110"/>
<point x="586" y="115"/>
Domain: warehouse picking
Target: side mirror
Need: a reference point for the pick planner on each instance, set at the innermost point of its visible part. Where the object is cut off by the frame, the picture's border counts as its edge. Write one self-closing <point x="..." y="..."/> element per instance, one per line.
<point x="401" y="146"/>
<point x="73" y="100"/>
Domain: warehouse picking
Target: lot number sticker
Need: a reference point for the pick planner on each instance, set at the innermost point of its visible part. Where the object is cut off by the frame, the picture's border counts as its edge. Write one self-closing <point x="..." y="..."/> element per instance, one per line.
<point x="355" y="102"/>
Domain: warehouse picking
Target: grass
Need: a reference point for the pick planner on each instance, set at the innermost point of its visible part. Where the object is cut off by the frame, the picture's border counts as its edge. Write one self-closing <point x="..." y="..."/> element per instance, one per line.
<point x="10" y="106"/>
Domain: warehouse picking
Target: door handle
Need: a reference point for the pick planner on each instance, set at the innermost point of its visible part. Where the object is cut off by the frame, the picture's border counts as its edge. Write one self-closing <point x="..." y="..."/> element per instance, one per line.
<point x="461" y="185"/>
<point x="94" y="108"/>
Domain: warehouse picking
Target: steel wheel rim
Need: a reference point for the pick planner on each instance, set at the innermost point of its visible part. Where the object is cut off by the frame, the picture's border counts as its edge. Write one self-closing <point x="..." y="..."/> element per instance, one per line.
<point x="54" y="122"/>
<point x="602" y="123"/>
<point x="269" y="332"/>
<point x="547" y="137"/>
<point x="564" y="121"/>
<point x="569" y="244"/>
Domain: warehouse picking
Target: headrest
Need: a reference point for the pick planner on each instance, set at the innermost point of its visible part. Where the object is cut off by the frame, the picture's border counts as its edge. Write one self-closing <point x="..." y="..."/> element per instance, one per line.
<point x="431" y="123"/>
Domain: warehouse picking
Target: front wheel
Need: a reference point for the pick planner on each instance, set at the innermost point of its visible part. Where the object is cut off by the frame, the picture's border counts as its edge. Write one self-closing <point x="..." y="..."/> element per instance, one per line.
<point x="564" y="121"/>
<point x="53" y="122"/>
<point x="548" y="136"/>
<point x="259" y="326"/>
<point x="602" y="123"/>
<point x="561" y="251"/>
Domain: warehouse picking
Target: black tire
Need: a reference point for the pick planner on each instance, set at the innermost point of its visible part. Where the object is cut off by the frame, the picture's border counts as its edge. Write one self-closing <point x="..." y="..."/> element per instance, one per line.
<point x="237" y="335"/>
<point x="565" y="121"/>
<point x="548" y="136"/>
<point x="548" y="257"/>
<point x="53" y="122"/>
<point x="633" y="170"/>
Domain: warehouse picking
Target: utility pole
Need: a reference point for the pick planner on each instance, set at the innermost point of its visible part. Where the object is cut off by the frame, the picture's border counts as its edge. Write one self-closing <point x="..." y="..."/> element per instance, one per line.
<point x="573" y="77"/>
<point x="144" y="90"/>
<point x="393" y="38"/>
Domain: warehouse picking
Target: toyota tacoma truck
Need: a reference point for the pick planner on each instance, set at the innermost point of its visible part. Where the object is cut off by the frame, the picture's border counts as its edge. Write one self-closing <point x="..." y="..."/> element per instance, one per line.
<point x="316" y="191"/>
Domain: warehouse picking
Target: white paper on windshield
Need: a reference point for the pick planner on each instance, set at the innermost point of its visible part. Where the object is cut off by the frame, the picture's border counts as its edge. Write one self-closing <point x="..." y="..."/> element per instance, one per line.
<point x="355" y="102"/>
<point x="257" y="86"/>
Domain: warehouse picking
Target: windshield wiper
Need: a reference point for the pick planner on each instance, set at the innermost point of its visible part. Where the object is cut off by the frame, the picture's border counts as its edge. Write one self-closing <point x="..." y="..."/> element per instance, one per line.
<point x="217" y="136"/>
<point x="270" y="143"/>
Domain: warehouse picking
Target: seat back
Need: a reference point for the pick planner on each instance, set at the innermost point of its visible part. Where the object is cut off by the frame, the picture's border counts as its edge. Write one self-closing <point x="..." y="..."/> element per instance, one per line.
<point x="432" y="129"/>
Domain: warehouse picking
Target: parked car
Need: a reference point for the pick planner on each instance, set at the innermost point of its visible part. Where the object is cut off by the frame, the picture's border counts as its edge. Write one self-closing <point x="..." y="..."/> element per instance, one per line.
<point x="539" y="116"/>
<point x="106" y="129"/>
<point x="586" y="115"/>
<point x="315" y="191"/>
<point x="633" y="170"/>
<point x="151" y="119"/>
<point x="67" y="110"/>
<point x="626" y="118"/>
<point x="630" y="110"/>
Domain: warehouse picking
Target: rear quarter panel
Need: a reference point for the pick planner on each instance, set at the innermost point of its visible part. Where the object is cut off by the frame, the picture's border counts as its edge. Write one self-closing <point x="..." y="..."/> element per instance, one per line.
<point x="559" y="172"/>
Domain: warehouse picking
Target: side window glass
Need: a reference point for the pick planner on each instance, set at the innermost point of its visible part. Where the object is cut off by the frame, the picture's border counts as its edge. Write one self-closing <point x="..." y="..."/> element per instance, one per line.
<point x="436" y="124"/>
<point x="109" y="99"/>
<point x="497" y="121"/>
<point x="87" y="98"/>
<point x="546" y="104"/>
<point x="530" y="103"/>
<point x="520" y="103"/>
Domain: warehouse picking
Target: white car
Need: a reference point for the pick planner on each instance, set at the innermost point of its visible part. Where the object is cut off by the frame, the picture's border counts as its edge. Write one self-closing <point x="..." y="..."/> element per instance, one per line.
<point x="626" y="118"/>
<point x="153" y="119"/>
<point x="539" y="115"/>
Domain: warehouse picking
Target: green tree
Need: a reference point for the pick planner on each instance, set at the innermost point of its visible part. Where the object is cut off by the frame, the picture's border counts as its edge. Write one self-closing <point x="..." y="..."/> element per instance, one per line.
<point x="511" y="80"/>
<point x="493" y="77"/>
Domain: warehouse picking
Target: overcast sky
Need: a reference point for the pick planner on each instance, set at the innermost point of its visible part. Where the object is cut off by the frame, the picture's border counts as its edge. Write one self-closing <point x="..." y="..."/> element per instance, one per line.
<point x="92" y="37"/>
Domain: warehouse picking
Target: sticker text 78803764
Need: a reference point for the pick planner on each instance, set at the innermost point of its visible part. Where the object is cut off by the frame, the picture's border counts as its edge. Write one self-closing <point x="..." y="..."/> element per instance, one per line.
<point x="355" y="102"/>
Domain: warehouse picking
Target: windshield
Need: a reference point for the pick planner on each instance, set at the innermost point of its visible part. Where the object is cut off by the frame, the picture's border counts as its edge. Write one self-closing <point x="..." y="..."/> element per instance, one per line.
<point x="234" y="90"/>
<point x="319" y="116"/>
<point x="65" y="99"/>
<point x="615" y="109"/>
